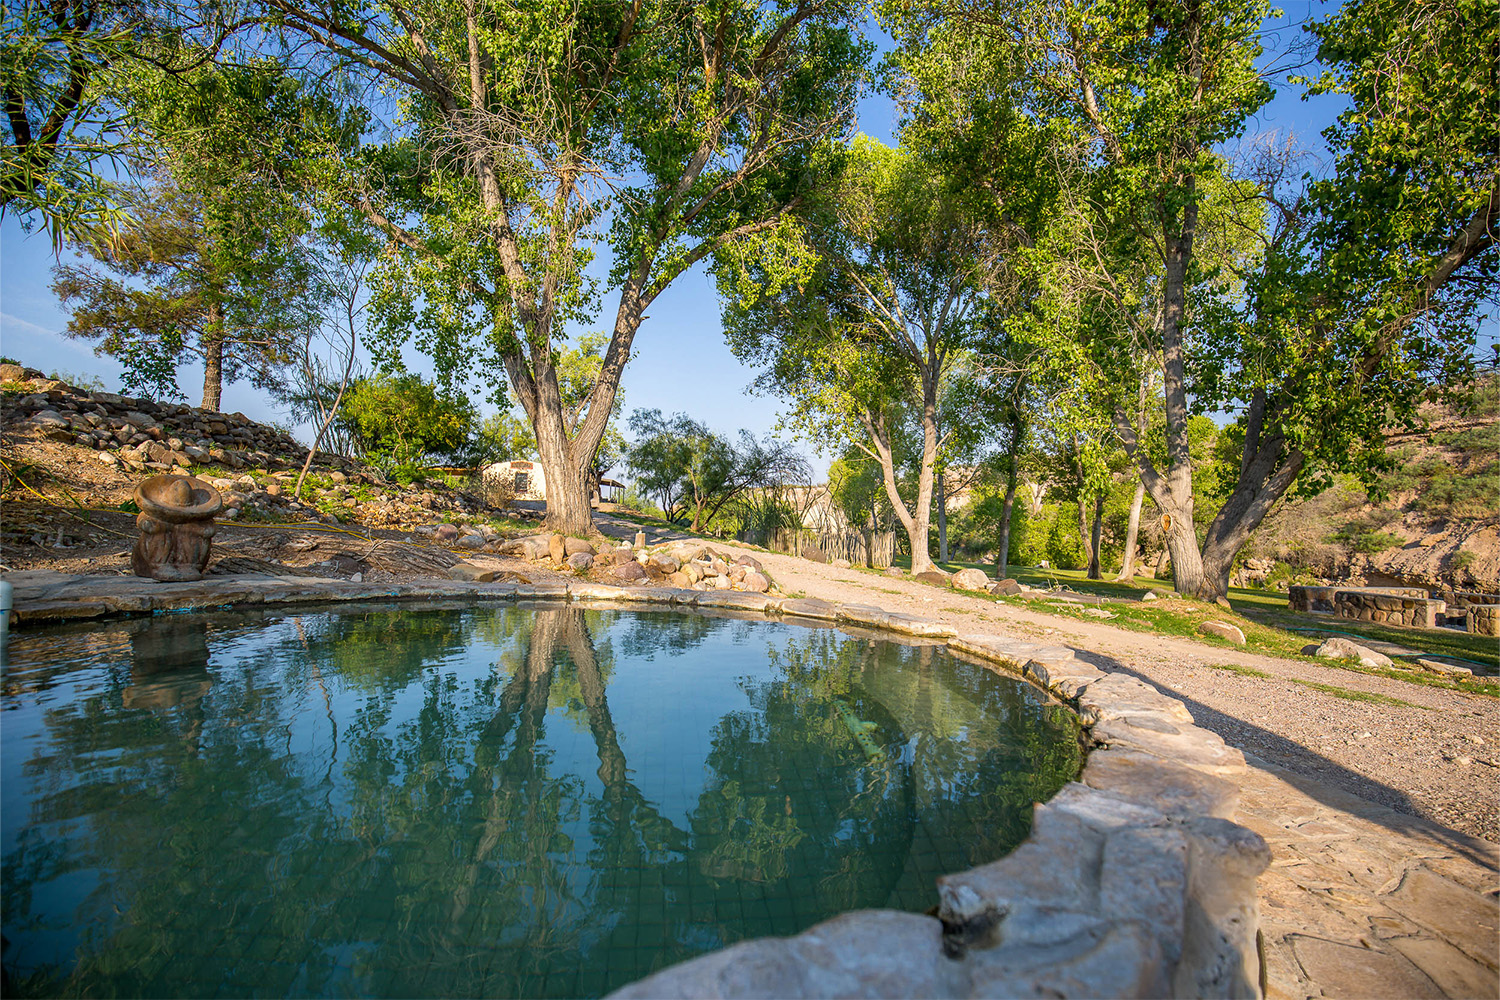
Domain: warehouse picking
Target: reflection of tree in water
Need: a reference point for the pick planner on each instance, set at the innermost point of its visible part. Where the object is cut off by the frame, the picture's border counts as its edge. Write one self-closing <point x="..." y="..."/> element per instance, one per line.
<point x="429" y="841"/>
<point x="645" y="635"/>
<point x="980" y="750"/>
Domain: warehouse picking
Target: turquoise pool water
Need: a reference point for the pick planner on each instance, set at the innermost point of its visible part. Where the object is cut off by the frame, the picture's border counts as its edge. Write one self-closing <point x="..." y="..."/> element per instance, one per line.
<point x="501" y="801"/>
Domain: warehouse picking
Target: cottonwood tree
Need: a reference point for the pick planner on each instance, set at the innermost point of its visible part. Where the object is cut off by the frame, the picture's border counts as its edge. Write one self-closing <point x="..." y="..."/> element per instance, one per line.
<point x="656" y="134"/>
<point x="901" y="268"/>
<point x="1371" y="284"/>
<point x="1362" y="290"/>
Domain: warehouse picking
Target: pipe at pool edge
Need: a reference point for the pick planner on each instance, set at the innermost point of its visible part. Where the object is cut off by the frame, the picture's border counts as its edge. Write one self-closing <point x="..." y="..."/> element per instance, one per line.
<point x="7" y="595"/>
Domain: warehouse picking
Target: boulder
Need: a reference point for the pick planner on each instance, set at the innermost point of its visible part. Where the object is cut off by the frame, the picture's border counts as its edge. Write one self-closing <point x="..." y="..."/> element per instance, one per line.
<point x="575" y="546"/>
<point x="531" y="548"/>
<point x="750" y="561"/>
<point x="971" y="579"/>
<point x="755" y="582"/>
<point x="557" y="548"/>
<point x="814" y="555"/>
<point x="1005" y="588"/>
<point x="936" y="577"/>
<point x="443" y="532"/>
<point x="1342" y="649"/>
<point x="581" y="560"/>
<point x="630" y="571"/>
<point x="664" y="564"/>
<point x="894" y="571"/>
<point x="611" y="556"/>
<point x="470" y="542"/>
<point x="472" y="573"/>
<point x="1223" y="630"/>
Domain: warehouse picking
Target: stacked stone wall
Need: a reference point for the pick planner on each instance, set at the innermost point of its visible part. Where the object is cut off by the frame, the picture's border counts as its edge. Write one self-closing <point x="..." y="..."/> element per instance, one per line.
<point x="1482" y="619"/>
<point x="141" y="434"/>
<point x="1458" y="601"/>
<point x="1312" y="600"/>
<point x="1388" y="609"/>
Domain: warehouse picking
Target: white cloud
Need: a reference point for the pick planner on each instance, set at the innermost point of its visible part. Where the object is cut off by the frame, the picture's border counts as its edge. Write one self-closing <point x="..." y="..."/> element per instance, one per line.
<point x="7" y="322"/>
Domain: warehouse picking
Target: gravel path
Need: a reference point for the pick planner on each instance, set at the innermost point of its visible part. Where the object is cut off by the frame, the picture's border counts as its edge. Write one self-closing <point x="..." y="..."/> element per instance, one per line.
<point x="1437" y="756"/>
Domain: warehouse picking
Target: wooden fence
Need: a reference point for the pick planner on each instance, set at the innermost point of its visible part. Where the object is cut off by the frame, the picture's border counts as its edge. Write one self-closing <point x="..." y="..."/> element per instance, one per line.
<point x="862" y="548"/>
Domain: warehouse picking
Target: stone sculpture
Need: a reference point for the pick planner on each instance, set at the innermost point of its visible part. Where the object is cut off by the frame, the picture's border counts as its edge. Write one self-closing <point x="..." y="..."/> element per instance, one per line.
<point x="177" y="527"/>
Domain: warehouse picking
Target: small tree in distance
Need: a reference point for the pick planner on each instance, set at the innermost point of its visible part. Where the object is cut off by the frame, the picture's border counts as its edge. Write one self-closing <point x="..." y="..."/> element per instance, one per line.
<point x="690" y="469"/>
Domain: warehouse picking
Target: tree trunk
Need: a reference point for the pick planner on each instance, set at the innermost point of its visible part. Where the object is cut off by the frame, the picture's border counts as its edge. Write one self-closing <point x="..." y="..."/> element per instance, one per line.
<point x="923" y="513"/>
<point x="566" y="479"/>
<point x="1187" y="561"/>
<point x="1127" y="567"/>
<point x="1002" y="564"/>
<point x="915" y="524"/>
<point x="1267" y="471"/>
<point x="213" y="359"/>
<point x="1084" y="539"/>
<point x="1096" y="536"/>
<point x="942" y="506"/>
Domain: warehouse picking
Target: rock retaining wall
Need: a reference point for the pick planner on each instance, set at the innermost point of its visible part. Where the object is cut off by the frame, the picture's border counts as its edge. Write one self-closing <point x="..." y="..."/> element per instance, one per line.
<point x="1133" y="883"/>
<point x="1309" y="600"/>
<point x="1410" y="607"/>
<point x="1388" y="609"/>
<point x="1482" y="619"/>
<point x="140" y="434"/>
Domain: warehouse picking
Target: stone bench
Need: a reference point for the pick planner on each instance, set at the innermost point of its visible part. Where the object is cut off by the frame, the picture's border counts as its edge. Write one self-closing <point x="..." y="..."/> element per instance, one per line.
<point x="1388" y="609"/>
<point x="1310" y="599"/>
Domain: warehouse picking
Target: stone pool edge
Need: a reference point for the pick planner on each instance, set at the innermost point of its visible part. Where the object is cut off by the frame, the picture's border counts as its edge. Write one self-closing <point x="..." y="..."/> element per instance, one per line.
<point x="1134" y="881"/>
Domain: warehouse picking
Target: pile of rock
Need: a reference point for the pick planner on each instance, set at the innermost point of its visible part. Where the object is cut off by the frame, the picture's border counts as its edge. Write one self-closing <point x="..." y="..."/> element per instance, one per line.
<point x="140" y="434"/>
<point x="972" y="579"/>
<point x="686" y="565"/>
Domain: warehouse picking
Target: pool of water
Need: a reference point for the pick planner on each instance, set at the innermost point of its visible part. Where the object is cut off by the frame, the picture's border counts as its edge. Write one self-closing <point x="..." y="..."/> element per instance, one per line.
<point x="516" y="801"/>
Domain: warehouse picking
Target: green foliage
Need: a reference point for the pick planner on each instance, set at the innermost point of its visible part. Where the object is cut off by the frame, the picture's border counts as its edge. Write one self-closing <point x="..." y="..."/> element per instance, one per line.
<point x="214" y="263"/>
<point x="690" y="469"/>
<point x="402" y="420"/>
<point x="62" y="65"/>
<point x="1370" y="541"/>
<point x="654" y="136"/>
<point x="502" y="437"/>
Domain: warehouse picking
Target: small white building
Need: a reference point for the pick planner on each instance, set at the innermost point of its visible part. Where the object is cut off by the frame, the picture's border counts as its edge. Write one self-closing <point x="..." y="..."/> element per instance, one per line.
<point x="525" y="479"/>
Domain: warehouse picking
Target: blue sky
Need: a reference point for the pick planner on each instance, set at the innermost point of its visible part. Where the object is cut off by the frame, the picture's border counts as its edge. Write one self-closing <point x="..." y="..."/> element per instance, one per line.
<point x="681" y="362"/>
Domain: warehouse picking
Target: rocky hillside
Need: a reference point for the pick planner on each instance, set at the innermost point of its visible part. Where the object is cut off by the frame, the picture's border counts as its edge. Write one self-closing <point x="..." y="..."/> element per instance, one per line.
<point x="1438" y="525"/>
<point x="65" y="448"/>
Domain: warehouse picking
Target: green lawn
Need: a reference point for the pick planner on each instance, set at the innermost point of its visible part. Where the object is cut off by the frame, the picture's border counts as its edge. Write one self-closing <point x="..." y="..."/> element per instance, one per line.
<point x="1261" y="614"/>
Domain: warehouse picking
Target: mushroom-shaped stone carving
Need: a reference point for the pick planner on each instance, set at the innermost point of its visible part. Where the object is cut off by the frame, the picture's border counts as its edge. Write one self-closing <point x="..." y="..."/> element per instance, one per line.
<point x="177" y="527"/>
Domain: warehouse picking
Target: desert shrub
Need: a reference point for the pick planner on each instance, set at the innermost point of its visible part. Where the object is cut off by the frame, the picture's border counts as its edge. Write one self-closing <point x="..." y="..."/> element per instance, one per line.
<point x="1358" y="538"/>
